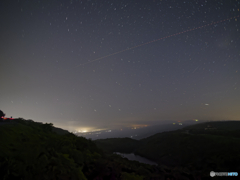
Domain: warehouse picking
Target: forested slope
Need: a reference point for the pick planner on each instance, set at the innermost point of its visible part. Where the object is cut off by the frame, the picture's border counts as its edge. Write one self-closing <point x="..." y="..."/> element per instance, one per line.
<point x="30" y="150"/>
<point x="199" y="149"/>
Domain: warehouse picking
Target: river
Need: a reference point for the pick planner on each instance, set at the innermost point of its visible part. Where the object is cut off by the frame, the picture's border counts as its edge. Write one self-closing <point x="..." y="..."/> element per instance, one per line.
<point x="134" y="157"/>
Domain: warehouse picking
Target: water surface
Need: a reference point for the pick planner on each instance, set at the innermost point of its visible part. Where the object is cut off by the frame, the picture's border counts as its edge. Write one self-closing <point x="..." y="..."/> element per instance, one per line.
<point x="134" y="157"/>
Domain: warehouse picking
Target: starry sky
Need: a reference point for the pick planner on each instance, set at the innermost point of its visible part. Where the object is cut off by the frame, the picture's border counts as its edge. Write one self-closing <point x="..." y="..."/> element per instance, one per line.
<point x="95" y="64"/>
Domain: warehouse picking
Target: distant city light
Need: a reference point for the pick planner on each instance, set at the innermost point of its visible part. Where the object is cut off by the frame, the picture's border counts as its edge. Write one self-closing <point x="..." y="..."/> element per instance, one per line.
<point x="136" y="126"/>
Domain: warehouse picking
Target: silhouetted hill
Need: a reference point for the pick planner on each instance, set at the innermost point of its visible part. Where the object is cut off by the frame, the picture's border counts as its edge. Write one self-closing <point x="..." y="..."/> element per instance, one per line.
<point x="31" y="150"/>
<point x="201" y="148"/>
<point x="60" y="131"/>
<point x="124" y="145"/>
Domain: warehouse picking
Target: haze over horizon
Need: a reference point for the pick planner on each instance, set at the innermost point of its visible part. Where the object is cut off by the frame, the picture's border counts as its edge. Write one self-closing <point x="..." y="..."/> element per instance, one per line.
<point x="78" y="64"/>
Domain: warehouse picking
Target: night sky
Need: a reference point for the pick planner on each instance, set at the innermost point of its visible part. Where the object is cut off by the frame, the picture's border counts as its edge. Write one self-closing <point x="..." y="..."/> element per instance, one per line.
<point x="78" y="64"/>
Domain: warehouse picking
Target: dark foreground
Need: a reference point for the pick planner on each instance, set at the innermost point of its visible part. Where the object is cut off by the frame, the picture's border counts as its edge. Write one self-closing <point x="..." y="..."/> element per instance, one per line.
<point x="31" y="150"/>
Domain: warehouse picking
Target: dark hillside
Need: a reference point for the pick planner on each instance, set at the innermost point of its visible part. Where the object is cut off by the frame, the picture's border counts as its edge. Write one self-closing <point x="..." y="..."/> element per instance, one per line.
<point x="31" y="150"/>
<point x="220" y="125"/>
<point x="198" y="149"/>
<point x="212" y="145"/>
<point x="124" y="145"/>
<point x="221" y="128"/>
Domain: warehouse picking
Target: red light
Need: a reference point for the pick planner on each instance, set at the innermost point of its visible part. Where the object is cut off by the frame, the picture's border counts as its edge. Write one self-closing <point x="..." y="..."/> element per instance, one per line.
<point x="5" y="118"/>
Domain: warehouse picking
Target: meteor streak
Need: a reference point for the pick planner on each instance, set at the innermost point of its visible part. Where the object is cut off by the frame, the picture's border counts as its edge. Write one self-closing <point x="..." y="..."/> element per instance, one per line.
<point x="143" y="44"/>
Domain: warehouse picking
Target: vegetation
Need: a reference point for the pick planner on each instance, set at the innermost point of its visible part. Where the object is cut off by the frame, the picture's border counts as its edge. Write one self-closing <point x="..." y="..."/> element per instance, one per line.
<point x="31" y="150"/>
<point x="1" y="114"/>
<point x="196" y="149"/>
<point x="34" y="150"/>
<point x="124" y="145"/>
